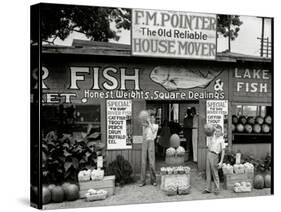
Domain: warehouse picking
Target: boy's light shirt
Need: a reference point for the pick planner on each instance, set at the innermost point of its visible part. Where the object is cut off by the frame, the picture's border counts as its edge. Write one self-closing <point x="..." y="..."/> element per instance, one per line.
<point x="216" y="144"/>
<point x="150" y="132"/>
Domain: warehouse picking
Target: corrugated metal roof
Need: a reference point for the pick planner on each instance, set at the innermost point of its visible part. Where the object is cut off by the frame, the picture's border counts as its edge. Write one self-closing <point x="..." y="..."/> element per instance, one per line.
<point x="82" y="47"/>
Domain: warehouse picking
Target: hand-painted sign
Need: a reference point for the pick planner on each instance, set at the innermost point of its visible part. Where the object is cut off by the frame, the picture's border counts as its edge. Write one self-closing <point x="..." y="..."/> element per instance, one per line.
<point x="76" y="84"/>
<point x="216" y="111"/>
<point x="119" y="127"/>
<point x="248" y="82"/>
<point x="173" y="34"/>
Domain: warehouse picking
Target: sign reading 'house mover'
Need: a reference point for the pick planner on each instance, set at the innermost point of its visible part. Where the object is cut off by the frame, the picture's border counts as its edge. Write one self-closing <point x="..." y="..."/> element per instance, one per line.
<point x="173" y="34"/>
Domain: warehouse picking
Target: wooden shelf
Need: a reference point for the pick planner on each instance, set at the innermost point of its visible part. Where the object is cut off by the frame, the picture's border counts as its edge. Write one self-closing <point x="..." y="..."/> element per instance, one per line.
<point x="252" y="134"/>
<point x="251" y="138"/>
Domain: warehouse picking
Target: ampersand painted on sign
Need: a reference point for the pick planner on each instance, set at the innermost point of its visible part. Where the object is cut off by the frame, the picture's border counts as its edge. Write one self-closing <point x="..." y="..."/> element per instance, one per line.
<point x="218" y="85"/>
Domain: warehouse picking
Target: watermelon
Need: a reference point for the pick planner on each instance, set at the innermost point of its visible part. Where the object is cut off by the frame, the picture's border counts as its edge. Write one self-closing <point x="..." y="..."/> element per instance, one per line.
<point x="234" y="119"/>
<point x="242" y="120"/>
<point x="248" y="128"/>
<point x="175" y="140"/>
<point x="240" y="128"/>
<point x="267" y="181"/>
<point x="46" y="195"/>
<point x="209" y="129"/>
<point x="259" y="120"/>
<point x="268" y="120"/>
<point x="265" y="128"/>
<point x="257" y="128"/>
<point x="71" y="192"/>
<point x="259" y="182"/>
<point x="143" y="116"/>
<point x="251" y="120"/>
<point x="57" y="194"/>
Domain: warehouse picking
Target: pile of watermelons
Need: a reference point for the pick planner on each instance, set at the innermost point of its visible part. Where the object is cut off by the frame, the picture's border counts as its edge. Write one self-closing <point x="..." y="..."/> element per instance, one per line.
<point x="258" y="124"/>
<point x="56" y="193"/>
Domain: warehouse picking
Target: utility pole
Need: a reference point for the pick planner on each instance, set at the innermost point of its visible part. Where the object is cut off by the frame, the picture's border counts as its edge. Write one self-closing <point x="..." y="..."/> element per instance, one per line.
<point x="262" y="35"/>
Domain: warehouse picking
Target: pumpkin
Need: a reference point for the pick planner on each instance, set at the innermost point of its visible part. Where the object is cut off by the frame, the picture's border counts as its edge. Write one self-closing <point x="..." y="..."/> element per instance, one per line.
<point x="259" y="120"/>
<point x="257" y="128"/>
<point x="248" y="128"/>
<point x="242" y="120"/>
<point x="265" y="128"/>
<point x="46" y="195"/>
<point x="175" y="140"/>
<point x="267" y="181"/>
<point x="268" y="120"/>
<point x="251" y="120"/>
<point x="240" y="128"/>
<point x="57" y="194"/>
<point x="259" y="182"/>
<point x="209" y="129"/>
<point x="234" y="119"/>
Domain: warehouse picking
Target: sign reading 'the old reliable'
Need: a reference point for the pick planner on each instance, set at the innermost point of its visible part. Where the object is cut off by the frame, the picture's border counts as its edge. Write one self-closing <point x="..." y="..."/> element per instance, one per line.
<point x="173" y="34"/>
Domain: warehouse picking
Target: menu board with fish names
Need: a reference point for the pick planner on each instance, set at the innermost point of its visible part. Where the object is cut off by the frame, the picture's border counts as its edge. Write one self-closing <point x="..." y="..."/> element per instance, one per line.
<point x="119" y="127"/>
<point x="216" y="110"/>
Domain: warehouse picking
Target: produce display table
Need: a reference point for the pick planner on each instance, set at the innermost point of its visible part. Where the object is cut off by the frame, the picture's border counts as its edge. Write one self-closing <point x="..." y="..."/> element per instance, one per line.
<point x="107" y="184"/>
<point x="231" y="179"/>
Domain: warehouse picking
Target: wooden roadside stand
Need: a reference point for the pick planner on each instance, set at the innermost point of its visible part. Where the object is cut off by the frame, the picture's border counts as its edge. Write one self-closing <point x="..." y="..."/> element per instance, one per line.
<point x="86" y="74"/>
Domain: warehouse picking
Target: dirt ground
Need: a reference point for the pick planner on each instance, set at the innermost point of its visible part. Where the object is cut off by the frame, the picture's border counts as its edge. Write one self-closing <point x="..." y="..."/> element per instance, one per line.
<point x="133" y="194"/>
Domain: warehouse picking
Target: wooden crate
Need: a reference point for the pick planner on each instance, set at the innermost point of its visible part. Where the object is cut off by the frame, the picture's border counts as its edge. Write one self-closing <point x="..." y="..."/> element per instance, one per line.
<point x="231" y="179"/>
<point x="173" y="178"/>
<point x="107" y="183"/>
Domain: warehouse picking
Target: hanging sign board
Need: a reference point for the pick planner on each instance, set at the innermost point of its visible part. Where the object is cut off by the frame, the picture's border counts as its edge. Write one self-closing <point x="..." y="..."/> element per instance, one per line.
<point x="119" y="126"/>
<point x="173" y="34"/>
<point x="215" y="111"/>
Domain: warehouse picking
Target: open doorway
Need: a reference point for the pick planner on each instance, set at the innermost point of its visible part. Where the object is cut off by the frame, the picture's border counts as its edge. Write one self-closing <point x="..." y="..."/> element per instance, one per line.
<point x="175" y="117"/>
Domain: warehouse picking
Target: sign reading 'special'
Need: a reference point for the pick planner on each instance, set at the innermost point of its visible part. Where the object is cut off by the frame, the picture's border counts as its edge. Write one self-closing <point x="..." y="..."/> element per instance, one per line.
<point x="173" y="34"/>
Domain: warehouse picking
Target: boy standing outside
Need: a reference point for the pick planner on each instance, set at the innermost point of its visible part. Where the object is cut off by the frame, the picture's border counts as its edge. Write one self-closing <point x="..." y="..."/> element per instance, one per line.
<point x="215" y="146"/>
<point x="148" y="149"/>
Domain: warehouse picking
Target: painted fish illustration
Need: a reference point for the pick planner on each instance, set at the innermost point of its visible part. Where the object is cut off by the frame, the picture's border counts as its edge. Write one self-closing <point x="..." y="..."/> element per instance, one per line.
<point x="173" y="78"/>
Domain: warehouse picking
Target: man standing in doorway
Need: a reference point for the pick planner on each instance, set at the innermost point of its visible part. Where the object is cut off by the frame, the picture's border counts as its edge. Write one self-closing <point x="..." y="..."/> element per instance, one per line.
<point x="148" y="150"/>
<point x="187" y="132"/>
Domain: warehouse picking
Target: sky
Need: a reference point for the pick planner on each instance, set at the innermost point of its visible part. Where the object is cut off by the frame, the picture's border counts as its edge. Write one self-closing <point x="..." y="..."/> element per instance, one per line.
<point x="245" y="43"/>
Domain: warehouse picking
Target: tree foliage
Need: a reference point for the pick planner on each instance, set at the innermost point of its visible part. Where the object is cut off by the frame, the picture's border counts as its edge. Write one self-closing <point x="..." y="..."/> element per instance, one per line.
<point x="229" y="25"/>
<point x="59" y="21"/>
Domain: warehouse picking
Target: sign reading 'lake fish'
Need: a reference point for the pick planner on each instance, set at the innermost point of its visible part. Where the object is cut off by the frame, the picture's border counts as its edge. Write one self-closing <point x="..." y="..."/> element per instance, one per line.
<point x="173" y="34"/>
